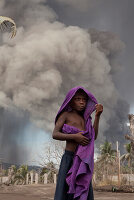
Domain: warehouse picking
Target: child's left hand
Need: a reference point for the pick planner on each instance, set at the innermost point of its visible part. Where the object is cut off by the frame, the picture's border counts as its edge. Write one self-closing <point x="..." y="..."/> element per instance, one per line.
<point x="99" y="109"/>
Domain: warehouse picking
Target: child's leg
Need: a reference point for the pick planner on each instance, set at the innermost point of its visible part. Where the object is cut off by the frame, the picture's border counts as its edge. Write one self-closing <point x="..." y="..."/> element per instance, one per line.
<point x="62" y="187"/>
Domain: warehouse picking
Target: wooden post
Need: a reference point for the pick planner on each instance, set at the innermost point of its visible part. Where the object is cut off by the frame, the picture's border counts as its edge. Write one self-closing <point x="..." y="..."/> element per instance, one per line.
<point x="31" y="174"/>
<point x="36" y="178"/>
<point x="54" y="178"/>
<point x="119" y="169"/>
<point x="45" y="178"/>
<point x="118" y="162"/>
<point x="27" y="178"/>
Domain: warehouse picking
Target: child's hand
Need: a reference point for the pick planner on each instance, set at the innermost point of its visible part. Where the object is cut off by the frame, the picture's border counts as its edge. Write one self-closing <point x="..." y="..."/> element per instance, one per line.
<point x="80" y="139"/>
<point x="99" y="109"/>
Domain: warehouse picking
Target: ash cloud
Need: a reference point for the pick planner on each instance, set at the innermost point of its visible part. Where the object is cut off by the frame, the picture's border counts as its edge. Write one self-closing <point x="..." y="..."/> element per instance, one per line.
<point x="47" y="58"/>
<point x="12" y="126"/>
<point x="78" y="5"/>
<point x="81" y="5"/>
<point x="111" y="46"/>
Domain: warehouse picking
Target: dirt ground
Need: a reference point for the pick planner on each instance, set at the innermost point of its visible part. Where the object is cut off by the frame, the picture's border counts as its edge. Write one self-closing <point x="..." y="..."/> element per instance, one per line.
<point x="46" y="192"/>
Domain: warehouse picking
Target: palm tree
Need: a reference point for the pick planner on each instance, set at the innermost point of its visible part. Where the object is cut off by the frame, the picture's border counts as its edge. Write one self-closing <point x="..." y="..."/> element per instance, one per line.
<point x="7" y="24"/>
<point x="127" y="156"/>
<point x="107" y="152"/>
<point x="108" y="156"/>
<point x="20" y="176"/>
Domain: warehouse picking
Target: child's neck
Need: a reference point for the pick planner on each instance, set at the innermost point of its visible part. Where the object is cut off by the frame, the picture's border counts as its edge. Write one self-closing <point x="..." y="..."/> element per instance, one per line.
<point x="81" y="113"/>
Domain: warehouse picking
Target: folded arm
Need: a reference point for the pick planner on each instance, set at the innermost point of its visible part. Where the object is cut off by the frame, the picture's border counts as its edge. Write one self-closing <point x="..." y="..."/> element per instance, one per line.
<point x="57" y="134"/>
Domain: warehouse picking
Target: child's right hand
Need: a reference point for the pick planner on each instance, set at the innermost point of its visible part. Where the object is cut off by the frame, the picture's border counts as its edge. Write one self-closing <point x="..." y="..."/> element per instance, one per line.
<point x="80" y="139"/>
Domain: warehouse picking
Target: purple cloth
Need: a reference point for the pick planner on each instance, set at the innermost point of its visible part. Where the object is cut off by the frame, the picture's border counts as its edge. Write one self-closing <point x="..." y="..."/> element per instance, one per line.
<point x="80" y="174"/>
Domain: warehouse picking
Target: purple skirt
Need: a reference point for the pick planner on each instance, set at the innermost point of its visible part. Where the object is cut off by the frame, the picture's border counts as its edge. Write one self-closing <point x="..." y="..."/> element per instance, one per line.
<point x="62" y="187"/>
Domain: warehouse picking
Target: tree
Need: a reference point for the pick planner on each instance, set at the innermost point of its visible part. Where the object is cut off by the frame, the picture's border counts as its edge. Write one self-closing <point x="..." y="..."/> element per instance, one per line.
<point x="51" y="157"/>
<point x="127" y="156"/>
<point x="130" y="137"/>
<point x="52" y="153"/>
<point x="20" y="176"/>
<point x="107" y="153"/>
<point x="7" y="24"/>
<point x="107" y="157"/>
<point x="11" y="174"/>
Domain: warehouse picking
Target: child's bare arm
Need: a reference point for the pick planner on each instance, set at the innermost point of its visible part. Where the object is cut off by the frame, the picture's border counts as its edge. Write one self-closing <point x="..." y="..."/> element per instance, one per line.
<point x="99" y="110"/>
<point x="58" y="135"/>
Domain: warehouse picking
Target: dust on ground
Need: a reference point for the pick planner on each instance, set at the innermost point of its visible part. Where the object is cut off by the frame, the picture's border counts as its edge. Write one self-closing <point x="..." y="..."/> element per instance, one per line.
<point x="46" y="192"/>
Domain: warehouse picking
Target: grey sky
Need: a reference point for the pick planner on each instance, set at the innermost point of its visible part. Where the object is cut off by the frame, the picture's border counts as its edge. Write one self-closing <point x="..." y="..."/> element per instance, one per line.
<point x="48" y="52"/>
<point x="113" y="16"/>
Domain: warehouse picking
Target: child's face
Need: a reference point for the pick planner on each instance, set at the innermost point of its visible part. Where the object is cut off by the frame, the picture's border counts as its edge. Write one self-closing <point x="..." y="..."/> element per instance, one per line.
<point x="79" y="101"/>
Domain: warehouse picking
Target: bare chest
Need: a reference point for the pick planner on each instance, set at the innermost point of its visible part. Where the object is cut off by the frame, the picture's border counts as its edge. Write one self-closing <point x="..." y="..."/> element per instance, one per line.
<point x="76" y="120"/>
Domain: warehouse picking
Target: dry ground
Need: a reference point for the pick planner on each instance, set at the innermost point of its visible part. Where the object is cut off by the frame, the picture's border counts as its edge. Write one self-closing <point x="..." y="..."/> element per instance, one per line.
<point x="46" y="192"/>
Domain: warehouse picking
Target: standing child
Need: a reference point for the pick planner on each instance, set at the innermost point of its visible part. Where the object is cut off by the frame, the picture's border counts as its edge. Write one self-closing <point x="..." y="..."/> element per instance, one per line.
<point x="73" y="124"/>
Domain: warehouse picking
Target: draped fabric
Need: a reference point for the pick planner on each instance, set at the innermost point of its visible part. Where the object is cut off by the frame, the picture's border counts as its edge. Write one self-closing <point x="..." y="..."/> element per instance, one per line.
<point x="80" y="174"/>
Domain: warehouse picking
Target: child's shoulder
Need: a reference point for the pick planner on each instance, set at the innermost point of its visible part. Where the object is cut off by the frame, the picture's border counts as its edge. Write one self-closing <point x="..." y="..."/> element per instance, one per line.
<point x="64" y="114"/>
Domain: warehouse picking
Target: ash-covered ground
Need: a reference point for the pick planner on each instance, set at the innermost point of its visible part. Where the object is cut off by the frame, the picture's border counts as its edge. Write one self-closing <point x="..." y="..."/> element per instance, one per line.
<point x="46" y="192"/>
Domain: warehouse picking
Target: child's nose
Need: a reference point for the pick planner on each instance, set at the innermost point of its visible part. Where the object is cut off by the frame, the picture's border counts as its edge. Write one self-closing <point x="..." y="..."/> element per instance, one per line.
<point x="82" y="101"/>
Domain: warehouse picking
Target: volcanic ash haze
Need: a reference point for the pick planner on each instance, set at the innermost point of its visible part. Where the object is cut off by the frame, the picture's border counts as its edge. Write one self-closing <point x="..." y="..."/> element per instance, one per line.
<point x="81" y="5"/>
<point x="47" y="58"/>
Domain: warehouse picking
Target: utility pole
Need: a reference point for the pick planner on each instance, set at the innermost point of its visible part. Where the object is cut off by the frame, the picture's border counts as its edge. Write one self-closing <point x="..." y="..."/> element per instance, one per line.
<point x="118" y="162"/>
<point x="0" y="167"/>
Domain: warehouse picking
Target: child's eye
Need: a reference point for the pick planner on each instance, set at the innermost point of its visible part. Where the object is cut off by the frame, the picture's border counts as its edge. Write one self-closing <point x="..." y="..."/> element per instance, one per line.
<point x="85" y="99"/>
<point x="78" y="99"/>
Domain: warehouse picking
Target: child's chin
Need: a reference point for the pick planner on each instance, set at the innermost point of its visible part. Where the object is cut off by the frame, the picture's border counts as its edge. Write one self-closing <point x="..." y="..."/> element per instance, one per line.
<point x="81" y="109"/>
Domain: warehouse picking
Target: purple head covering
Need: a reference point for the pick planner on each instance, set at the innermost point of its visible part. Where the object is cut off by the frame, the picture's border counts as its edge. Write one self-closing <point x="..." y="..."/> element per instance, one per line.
<point x="90" y="104"/>
<point x="80" y="174"/>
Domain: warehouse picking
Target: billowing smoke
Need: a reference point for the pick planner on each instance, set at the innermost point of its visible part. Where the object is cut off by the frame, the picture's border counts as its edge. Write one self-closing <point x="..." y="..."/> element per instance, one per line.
<point x="81" y="5"/>
<point x="12" y="125"/>
<point x="78" y="5"/>
<point x="111" y="46"/>
<point x="47" y="58"/>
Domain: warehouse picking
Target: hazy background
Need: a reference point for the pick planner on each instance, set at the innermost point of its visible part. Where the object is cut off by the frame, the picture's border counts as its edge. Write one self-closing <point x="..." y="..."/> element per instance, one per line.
<point x="61" y="44"/>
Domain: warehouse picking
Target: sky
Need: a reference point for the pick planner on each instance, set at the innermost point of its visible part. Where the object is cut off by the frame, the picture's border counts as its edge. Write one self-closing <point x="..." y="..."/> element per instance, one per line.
<point x="61" y="44"/>
<point x="107" y="15"/>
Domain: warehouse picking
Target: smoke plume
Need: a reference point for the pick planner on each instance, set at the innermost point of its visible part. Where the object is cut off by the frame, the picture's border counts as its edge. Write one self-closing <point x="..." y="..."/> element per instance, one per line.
<point x="47" y="58"/>
<point x="81" y="5"/>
